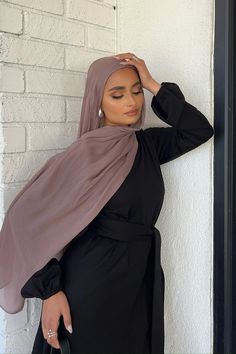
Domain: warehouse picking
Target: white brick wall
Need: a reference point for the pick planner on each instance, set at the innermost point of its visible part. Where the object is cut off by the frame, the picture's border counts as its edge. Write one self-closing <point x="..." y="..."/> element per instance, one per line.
<point x="55" y="29"/>
<point x="11" y="19"/>
<point x="46" y="47"/>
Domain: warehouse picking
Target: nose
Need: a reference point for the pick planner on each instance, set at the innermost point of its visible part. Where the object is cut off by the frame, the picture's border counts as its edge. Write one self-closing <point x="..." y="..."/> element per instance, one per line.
<point x="131" y="102"/>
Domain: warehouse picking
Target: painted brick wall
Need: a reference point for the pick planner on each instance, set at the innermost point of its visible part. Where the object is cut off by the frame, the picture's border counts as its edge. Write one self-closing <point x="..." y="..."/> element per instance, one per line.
<point x="46" y="47"/>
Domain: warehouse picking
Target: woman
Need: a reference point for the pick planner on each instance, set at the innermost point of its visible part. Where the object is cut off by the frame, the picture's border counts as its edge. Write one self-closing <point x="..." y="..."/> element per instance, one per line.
<point x="109" y="284"/>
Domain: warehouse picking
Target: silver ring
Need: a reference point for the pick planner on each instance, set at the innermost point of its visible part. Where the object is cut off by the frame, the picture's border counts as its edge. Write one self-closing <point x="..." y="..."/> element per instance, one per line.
<point x="50" y="333"/>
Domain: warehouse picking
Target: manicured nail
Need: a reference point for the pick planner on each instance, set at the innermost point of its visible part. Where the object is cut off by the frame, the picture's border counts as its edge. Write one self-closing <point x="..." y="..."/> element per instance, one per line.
<point x="69" y="328"/>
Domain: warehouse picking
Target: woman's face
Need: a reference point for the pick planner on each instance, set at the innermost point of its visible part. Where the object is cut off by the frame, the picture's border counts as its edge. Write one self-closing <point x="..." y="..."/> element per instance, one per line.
<point x="123" y="92"/>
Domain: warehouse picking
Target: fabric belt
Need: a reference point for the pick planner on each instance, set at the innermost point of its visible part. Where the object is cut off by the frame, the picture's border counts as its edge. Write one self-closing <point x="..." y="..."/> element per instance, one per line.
<point x="126" y="231"/>
<point x="121" y="230"/>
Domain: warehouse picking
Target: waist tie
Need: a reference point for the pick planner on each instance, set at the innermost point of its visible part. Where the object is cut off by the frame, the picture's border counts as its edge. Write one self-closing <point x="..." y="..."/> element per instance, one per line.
<point x="122" y="230"/>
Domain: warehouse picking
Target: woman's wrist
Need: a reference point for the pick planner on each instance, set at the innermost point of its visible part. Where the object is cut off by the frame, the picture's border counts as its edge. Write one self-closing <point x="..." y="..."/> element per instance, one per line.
<point x="154" y="87"/>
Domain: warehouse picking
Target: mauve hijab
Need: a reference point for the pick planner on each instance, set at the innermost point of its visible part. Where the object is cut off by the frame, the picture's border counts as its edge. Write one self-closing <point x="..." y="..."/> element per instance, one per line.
<point x="67" y="192"/>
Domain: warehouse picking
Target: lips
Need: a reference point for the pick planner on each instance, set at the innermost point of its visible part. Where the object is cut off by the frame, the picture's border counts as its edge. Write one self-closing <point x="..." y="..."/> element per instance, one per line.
<point x="132" y="113"/>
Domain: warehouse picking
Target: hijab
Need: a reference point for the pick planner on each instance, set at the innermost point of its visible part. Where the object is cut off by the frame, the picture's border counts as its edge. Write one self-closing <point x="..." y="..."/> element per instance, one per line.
<point x="67" y="192"/>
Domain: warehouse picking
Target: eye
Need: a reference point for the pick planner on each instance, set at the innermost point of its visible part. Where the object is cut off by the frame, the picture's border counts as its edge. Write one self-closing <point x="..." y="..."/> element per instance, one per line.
<point x="135" y="93"/>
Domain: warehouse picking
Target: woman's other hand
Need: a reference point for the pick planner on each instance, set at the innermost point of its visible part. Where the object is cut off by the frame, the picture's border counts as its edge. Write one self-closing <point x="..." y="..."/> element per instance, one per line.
<point x="146" y="78"/>
<point x="52" y="309"/>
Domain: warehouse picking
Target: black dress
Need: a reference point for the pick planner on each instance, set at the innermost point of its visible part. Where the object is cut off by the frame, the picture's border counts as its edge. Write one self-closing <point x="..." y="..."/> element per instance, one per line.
<point x="111" y="273"/>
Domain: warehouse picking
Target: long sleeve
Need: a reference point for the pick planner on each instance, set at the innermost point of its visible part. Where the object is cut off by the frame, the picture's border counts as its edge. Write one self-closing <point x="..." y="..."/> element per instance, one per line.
<point x="45" y="282"/>
<point x="48" y="280"/>
<point x="189" y="127"/>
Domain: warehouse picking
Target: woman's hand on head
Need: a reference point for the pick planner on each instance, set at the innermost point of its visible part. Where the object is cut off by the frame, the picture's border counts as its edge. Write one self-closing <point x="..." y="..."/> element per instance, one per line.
<point x="146" y="78"/>
<point x="52" y="309"/>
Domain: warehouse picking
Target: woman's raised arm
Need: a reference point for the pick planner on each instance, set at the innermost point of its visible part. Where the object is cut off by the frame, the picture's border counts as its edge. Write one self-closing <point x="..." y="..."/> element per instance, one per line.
<point x="189" y="127"/>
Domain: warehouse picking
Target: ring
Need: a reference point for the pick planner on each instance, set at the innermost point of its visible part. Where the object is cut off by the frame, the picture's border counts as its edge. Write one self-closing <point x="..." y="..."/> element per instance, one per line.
<point x="50" y="333"/>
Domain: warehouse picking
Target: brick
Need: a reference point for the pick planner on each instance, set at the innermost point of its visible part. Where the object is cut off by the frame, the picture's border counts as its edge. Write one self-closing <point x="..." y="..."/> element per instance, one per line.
<point x="78" y="59"/>
<point x="14" y="138"/>
<point x="54" y="29"/>
<point x="73" y="110"/>
<point x="11" y="79"/>
<point x="53" y="6"/>
<point x="10" y="20"/>
<point x="32" y="109"/>
<point x="101" y="39"/>
<point x="8" y="193"/>
<point x="21" y="51"/>
<point x="55" y="83"/>
<point x="86" y="11"/>
<point x="25" y="165"/>
<point x="54" y="136"/>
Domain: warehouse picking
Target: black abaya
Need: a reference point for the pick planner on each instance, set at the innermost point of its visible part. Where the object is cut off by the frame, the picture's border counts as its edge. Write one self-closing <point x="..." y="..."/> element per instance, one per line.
<point x="111" y="273"/>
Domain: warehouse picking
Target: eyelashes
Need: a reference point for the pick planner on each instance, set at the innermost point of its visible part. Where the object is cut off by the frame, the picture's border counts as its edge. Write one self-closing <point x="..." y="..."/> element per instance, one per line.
<point x="135" y="93"/>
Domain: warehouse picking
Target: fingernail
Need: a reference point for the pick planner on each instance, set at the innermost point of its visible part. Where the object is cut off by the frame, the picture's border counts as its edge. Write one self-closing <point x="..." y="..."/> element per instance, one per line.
<point x="69" y="328"/>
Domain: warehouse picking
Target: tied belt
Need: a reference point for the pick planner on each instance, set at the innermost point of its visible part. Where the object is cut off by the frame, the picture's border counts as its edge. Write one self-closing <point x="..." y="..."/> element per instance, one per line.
<point x="126" y="231"/>
<point x="123" y="230"/>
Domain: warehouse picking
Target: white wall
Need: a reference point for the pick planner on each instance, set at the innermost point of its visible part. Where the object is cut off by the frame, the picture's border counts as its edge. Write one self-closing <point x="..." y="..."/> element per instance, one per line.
<point x="175" y="38"/>
<point x="46" y="47"/>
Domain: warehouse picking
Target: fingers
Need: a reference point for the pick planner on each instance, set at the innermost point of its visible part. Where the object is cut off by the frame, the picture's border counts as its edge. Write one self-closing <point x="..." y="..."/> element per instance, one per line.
<point x="50" y="333"/>
<point x="53" y="340"/>
<point x="52" y="309"/>
<point x="125" y="55"/>
<point x="67" y="318"/>
<point x="128" y="57"/>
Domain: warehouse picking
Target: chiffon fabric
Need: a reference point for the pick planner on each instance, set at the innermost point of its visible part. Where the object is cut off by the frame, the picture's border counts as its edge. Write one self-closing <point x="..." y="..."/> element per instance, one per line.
<point x="43" y="217"/>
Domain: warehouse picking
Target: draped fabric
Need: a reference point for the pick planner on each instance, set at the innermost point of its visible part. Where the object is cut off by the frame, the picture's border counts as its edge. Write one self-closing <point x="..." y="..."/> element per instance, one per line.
<point x="112" y="274"/>
<point x="67" y="192"/>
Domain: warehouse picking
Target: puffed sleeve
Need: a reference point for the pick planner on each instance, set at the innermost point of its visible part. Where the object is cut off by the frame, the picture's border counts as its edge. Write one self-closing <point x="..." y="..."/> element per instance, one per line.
<point x="189" y="127"/>
<point x="45" y="282"/>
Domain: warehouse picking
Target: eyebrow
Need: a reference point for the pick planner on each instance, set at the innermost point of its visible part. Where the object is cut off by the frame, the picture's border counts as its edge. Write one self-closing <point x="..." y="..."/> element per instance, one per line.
<point x="123" y="87"/>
